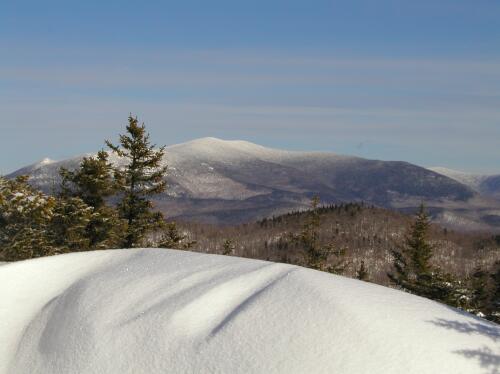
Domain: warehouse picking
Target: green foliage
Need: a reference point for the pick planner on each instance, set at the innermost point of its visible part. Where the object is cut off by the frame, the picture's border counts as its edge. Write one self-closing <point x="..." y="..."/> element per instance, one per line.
<point x="484" y="298"/>
<point x="315" y="255"/>
<point x="228" y="247"/>
<point x="494" y="305"/>
<point x="24" y="216"/>
<point x="68" y="225"/>
<point x="413" y="270"/>
<point x="34" y="225"/>
<point x="141" y="177"/>
<point x="93" y="182"/>
<point x="105" y="229"/>
<point x="362" y="272"/>
<point x="172" y="238"/>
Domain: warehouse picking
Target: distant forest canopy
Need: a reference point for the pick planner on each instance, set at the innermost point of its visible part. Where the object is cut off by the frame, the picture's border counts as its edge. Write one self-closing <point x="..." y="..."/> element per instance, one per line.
<point x="366" y="232"/>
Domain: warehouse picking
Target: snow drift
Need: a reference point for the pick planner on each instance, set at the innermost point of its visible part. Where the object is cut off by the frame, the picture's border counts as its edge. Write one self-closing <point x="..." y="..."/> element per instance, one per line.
<point x="165" y="311"/>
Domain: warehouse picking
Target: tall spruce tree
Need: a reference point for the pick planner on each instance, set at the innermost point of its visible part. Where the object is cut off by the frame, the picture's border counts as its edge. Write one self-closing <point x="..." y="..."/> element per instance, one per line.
<point x="317" y="256"/>
<point x="494" y="306"/>
<point x="413" y="270"/>
<point x="93" y="182"/>
<point x="142" y="177"/>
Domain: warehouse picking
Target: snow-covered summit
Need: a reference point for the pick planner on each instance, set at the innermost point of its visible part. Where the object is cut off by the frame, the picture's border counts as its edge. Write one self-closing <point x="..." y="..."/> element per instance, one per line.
<point x="164" y="311"/>
<point x="46" y="161"/>
<point x="214" y="149"/>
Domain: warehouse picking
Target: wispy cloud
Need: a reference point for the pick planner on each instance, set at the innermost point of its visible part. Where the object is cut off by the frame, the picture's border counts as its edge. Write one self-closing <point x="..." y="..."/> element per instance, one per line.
<point x="324" y="102"/>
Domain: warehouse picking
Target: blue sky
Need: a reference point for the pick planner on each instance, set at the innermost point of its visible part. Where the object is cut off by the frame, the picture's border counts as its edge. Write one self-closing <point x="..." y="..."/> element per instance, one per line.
<point x="398" y="80"/>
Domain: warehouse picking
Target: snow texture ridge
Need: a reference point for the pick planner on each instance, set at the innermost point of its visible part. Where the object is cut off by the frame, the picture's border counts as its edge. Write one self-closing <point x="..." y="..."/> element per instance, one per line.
<point x="159" y="311"/>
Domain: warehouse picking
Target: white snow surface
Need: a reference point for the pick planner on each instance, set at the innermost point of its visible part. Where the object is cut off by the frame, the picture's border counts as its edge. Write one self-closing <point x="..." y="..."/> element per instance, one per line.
<point x="166" y="311"/>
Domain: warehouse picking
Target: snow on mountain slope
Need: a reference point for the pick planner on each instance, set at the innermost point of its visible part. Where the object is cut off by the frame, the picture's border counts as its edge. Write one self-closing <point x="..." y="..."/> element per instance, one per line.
<point x="472" y="180"/>
<point x="211" y="168"/>
<point x="234" y="181"/>
<point x="486" y="184"/>
<point x="165" y="311"/>
<point x="215" y="149"/>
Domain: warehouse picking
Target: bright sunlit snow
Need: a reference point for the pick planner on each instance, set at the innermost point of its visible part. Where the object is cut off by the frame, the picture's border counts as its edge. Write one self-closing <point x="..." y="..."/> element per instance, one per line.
<point x="165" y="311"/>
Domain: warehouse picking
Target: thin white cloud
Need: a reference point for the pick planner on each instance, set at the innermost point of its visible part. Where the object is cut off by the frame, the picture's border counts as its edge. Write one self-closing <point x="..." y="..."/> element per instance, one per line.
<point x="417" y="105"/>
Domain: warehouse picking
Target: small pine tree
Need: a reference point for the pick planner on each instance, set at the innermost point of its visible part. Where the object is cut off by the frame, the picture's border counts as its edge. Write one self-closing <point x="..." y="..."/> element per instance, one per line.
<point x="141" y="178"/>
<point x="68" y="226"/>
<point x="93" y="182"/>
<point x="228" y="247"/>
<point x="316" y="256"/>
<point x="362" y="272"/>
<point x="483" y="297"/>
<point x="480" y="292"/>
<point x="24" y="216"/>
<point x="413" y="270"/>
<point x="494" y="305"/>
<point x="172" y="238"/>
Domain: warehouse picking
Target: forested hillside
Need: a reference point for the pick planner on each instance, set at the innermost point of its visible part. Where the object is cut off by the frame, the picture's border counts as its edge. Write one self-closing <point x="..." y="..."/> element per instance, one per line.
<point x="367" y="233"/>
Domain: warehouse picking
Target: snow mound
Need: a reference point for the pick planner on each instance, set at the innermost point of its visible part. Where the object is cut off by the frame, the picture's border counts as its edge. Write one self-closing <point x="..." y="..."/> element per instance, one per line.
<point x="165" y="311"/>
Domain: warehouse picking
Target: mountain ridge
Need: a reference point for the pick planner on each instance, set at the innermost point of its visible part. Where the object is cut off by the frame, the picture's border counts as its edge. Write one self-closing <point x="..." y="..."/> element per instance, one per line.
<point x="487" y="184"/>
<point x="232" y="181"/>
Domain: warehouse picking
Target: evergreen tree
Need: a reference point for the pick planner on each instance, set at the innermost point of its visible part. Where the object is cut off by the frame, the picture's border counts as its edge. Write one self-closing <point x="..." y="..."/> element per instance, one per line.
<point x="480" y="292"/>
<point x="93" y="182"/>
<point x="67" y="229"/>
<point x="172" y="238"/>
<point x="494" y="305"/>
<point x="413" y="270"/>
<point x="228" y="247"/>
<point x="24" y="216"/>
<point x="362" y="273"/>
<point x="484" y="293"/>
<point x="141" y="178"/>
<point x="315" y="255"/>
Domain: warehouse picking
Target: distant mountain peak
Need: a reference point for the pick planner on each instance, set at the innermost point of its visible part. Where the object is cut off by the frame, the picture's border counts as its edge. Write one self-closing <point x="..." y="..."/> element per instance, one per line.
<point x="46" y="161"/>
<point x="211" y="148"/>
<point x="212" y="141"/>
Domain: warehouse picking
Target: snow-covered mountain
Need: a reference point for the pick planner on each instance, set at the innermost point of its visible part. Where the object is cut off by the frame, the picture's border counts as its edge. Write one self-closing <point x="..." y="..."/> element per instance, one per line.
<point x="474" y="181"/>
<point x="164" y="311"/>
<point x="487" y="184"/>
<point x="236" y="181"/>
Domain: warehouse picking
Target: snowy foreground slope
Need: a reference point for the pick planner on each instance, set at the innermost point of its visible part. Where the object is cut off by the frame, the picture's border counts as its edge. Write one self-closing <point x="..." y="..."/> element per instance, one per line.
<point x="164" y="311"/>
